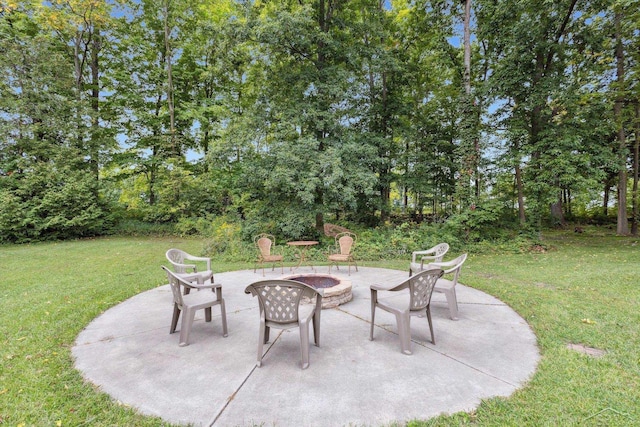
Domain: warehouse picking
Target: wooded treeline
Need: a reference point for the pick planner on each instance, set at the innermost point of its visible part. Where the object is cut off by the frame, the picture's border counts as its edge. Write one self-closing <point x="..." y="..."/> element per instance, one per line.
<point x="287" y="114"/>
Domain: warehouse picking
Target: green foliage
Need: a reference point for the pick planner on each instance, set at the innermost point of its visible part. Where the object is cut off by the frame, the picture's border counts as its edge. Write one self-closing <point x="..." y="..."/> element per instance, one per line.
<point x="136" y="228"/>
<point x="49" y="183"/>
<point x="224" y="241"/>
<point x="290" y="111"/>
<point x="285" y="221"/>
<point x="50" y="204"/>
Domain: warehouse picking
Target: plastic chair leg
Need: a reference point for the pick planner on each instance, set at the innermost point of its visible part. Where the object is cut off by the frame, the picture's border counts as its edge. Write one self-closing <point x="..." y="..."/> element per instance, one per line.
<point x="185" y="327"/>
<point x="304" y="343"/>
<point x="316" y="329"/>
<point x="452" y="301"/>
<point x="433" y="338"/>
<point x="174" y="319"/>
<point x="404" y="330"/>
<point x="223" y="314"/>
<point x="263" y="337"/>
<point x="374" y="297"/>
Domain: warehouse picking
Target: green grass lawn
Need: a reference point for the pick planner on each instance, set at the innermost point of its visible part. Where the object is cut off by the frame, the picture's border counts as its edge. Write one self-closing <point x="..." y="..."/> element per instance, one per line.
<point x="583" y="290"/>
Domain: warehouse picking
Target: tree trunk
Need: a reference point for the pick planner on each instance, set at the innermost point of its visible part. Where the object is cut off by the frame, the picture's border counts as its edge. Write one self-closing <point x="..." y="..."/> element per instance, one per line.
<point x="467" y="47"/>
<point x="169" y="65"/>
<point x="320" y="222"/>
<point x="520" y="190"/>
<point x="636" y="164"/>
<point x="556" y="211"/>
<point x="622" y="223"/>
<point x="95" y="104"/>
<point x="78" y="62"/>
<point x="471" y="152"/>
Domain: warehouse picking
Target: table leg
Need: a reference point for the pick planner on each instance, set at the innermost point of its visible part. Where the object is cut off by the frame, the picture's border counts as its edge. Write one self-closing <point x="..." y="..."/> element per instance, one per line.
<point x="302" y="257"/>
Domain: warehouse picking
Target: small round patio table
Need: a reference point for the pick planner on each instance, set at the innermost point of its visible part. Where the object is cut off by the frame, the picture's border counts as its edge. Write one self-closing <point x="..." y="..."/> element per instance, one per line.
<point x="302" y="246"/>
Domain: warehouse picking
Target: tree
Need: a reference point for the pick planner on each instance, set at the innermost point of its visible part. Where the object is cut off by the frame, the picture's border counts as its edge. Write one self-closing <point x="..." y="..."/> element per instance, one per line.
<point x="533" y="50"/>
<point x="622" y="223"/>
<point x="45" y="189"/>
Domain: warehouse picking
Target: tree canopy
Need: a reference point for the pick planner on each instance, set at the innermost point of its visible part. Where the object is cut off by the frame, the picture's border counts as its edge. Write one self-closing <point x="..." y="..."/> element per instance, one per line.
<point x="287" y="114"/>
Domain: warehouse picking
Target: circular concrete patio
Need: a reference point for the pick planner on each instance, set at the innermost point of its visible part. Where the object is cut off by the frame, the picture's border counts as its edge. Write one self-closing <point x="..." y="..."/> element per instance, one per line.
<point x="129" y="354"/>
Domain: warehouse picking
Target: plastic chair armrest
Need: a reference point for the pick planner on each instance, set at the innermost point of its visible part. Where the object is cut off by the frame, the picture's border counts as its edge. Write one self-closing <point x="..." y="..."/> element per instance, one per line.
<point x="185" y="266"/>
<point x="414" y="254"/>
<point x="200" y="258"/>
<point x="205" y="285"/>
<point x="401" y="286"/>
<point x="443" y="264"/>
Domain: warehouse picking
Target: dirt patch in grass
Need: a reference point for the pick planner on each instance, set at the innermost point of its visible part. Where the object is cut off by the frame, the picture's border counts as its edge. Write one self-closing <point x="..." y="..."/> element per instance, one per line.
<point x="545" y="285"/>
<point x="590" y="351"/>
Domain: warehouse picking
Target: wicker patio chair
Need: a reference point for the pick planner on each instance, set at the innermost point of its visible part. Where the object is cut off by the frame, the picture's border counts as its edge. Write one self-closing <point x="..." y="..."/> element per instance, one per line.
<point x="265" y="243"/>
<point x="343" y="251"/>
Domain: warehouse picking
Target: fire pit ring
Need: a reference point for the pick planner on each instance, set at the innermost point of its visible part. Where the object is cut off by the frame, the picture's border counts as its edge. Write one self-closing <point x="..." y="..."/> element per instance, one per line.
<point x="336" y="290"/>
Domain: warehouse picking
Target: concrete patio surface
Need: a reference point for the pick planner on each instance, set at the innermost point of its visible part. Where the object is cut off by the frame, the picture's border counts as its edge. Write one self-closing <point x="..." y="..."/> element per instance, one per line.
<point x="351" y="381"/>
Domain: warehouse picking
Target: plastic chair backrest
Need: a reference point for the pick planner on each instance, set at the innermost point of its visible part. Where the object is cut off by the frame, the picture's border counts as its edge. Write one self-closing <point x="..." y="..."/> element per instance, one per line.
<point x="176" y="257"/>
<point x="421" y="288"/>
<point x="174" y="284"/>
<point x="280" y="299"/>
<point x="440" y="250"/>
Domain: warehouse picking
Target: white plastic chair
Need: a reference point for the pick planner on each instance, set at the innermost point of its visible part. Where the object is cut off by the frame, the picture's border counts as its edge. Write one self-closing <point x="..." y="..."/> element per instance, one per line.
<point x="420" y="259"/>
<point x="420" y="287"/>
<point x="189" y="303"/>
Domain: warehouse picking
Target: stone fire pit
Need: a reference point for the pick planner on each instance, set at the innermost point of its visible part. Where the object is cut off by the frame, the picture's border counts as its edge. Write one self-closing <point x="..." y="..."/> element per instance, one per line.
<point x="336" y="290"/>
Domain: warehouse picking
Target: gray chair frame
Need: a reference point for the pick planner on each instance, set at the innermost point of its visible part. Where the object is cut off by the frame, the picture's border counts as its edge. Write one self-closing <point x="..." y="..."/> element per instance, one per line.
<point x="280" y="308"/>
<point x="420" y="287"/>
<point x="420" y="259"/>
<point x="188" y="304"/>
<point x="448" y="287"/>
<point x="265" y="243"/>
<point x="345" y="242"/>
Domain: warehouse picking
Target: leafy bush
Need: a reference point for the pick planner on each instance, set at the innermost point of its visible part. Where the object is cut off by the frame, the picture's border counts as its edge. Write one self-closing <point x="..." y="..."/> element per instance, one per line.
<point x="132" y="227"/>
<point x="224" y="239"/>
<point x="51" y="204"/>
<point x="399" y="241"/>
<point x="287" y="222"/>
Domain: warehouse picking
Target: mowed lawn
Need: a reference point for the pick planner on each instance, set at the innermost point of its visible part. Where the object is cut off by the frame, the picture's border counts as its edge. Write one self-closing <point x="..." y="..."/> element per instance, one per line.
<point x="584" y="289"/>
